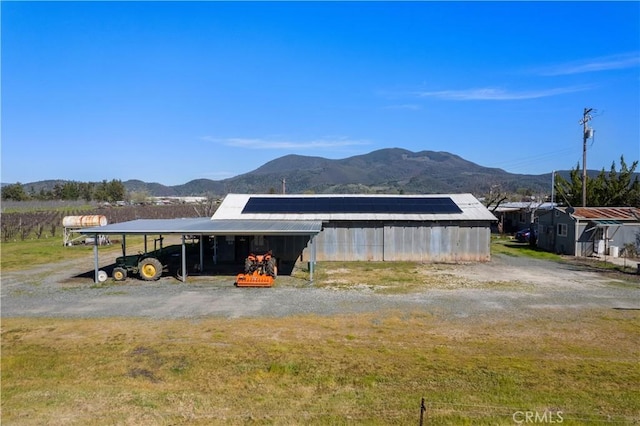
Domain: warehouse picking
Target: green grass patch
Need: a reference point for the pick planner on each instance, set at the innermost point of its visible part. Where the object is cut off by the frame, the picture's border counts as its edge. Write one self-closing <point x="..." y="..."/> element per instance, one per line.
<point x="25" y="254"/>
<point x="20" y="255"/>
<point x="514" y="248"/>
<point x="360" y="369"/>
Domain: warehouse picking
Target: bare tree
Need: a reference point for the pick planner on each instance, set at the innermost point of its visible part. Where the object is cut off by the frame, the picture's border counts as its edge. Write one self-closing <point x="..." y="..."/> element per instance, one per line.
<point x="495" y="197"/>
<point x="207" y="207"/>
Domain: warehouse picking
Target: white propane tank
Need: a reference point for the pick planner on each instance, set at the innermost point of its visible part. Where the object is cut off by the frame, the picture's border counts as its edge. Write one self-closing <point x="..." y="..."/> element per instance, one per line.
<point x="84" y="221"/>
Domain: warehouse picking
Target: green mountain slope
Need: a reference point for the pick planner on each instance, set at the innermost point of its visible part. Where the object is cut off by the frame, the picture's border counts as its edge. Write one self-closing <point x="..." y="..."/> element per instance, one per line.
<point x="391" y="170"/>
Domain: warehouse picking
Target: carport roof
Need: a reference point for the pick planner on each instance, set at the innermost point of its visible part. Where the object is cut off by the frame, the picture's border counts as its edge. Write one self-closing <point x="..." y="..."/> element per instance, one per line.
<point x="207" y="226"/>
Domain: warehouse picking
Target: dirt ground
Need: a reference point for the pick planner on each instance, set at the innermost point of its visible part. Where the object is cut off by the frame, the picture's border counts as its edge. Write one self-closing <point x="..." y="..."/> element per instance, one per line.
<point x="506" y="286"/>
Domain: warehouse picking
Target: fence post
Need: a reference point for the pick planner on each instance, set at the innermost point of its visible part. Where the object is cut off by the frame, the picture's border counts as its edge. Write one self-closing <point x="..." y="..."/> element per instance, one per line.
<point x="422" y="410"/>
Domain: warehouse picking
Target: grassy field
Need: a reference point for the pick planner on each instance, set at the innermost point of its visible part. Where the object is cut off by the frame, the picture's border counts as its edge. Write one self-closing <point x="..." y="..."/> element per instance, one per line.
<point x="362" y="369"/>
<point x="572" y="367"/>
<point x="394" y="277"/>
<point x="26" y="254"/>
<point x="512" y="248"/>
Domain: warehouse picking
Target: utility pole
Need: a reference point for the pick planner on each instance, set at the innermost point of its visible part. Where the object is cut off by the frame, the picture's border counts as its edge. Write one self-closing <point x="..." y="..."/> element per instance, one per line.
<point x="553" y="187"/>
<point x="586" y="134"/>
<point x="284" y="186"/>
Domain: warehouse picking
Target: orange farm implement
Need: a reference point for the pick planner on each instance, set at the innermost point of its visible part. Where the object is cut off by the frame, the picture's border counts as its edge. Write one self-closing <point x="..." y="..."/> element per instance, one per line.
<point x="260" y="270"/>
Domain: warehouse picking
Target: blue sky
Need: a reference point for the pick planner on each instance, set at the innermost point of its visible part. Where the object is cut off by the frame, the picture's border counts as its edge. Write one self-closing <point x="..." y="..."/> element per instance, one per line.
<point x="173" y="91"/>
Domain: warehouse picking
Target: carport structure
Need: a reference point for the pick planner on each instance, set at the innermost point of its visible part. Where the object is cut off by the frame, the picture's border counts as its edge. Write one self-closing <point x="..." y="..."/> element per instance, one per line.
<point x="200" y="227"/>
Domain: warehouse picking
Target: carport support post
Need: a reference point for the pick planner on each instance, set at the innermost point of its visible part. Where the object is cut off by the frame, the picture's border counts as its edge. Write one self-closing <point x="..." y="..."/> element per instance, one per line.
<point x="312" y="263"/>
<point x="201" y="254"/>
<point x="184" y="261"/>
<point x="95" y="258"/>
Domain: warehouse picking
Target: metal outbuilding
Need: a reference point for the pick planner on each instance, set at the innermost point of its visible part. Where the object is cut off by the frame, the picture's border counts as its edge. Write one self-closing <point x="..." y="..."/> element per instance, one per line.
<point x="225" y="233"/>
<point x="330" y="227"/>
<point x="363" y="227"/>
<point x="588" y="231"/>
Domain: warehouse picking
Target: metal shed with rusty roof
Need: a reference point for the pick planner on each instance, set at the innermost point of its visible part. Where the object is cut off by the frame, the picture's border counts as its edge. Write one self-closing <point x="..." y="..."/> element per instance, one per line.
<point x="588" y="231"/>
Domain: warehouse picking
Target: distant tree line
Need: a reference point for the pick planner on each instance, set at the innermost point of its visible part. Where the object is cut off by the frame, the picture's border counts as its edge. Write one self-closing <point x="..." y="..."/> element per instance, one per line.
<point x="109" y="191"/>
<point x="608" y="189"/>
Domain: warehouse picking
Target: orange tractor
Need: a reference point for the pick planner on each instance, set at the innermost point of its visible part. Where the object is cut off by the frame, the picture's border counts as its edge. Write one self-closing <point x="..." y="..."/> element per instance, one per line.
<point x="259" y="271"/>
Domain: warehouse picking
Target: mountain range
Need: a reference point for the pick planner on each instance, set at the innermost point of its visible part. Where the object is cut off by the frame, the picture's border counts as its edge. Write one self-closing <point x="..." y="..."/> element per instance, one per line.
<point x="391" y="171"/>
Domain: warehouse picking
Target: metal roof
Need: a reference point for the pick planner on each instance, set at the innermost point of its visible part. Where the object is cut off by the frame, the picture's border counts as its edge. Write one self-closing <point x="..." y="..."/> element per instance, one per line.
<point x="607" y="213"/>
<point x="524" y="205"/>
<point x="605" y="223"/>
<point x="233" y="205"/>
<point x="207" y="226"/>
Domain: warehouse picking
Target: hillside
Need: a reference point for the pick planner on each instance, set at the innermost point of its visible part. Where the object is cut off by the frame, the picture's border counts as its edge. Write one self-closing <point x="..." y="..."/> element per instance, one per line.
<point x="391" y="170"/>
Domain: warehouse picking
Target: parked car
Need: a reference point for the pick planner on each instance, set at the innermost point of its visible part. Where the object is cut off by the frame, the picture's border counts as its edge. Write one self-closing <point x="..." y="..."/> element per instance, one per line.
<point x="524" y="235"/>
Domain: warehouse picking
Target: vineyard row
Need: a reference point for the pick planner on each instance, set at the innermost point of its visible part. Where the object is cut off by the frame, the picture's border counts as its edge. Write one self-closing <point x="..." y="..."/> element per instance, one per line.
<point x="42" y="224"/>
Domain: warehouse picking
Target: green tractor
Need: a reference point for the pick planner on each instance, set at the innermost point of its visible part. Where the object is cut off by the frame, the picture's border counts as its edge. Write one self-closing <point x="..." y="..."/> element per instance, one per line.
<point x="149" y="266"/>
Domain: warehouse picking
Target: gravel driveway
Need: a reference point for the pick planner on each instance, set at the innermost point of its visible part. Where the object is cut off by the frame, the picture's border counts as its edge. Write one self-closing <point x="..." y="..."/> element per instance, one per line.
<point x="512" y="286"/>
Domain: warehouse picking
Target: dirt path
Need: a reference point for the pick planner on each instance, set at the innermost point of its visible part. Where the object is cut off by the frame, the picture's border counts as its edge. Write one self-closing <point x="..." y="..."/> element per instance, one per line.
<point x="508" y="286"/>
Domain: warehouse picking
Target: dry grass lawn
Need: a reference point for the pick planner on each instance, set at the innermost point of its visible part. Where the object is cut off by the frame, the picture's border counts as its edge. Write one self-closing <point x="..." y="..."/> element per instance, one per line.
<point x="359" y="369"/>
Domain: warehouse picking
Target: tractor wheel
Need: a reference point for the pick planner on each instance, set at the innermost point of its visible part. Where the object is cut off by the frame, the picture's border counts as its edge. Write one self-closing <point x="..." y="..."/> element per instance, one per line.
<point x="150" y="269"/>
<point x="248" y="266"/>
<point x="119" y="274"/>
<point x="271" y="268"/>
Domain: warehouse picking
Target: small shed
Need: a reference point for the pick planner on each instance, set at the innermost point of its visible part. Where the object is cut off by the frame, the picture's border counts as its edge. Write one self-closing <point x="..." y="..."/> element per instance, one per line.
<point x="363" y="227"/>
<point x="588" y="231"/>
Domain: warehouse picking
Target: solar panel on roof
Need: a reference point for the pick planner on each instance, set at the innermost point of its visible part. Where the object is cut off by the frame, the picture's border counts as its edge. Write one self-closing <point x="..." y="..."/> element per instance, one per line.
<point x="403" y="205"/>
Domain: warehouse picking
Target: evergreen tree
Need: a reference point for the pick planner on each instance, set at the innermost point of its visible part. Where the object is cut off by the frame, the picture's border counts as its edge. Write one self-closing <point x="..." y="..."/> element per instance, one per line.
<point x="116" y="190"/>
<point x="613" y="189"/>
<point x="57" y="191"/>
<point x="70" y="191"/>
<point x="86" y="190"/>
<point x="110" y="191"/>
<point x="14" y="192"/>
<point x="620" y="189"/>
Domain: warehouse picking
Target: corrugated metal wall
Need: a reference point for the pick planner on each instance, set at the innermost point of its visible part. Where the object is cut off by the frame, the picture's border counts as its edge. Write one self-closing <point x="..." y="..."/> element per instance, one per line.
<point x="404" y="241"/>
<point x="350" y="241"/>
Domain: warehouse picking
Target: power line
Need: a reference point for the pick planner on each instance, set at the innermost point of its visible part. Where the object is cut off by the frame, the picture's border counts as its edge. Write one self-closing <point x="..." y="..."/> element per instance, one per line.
<point x="533" y="159"/>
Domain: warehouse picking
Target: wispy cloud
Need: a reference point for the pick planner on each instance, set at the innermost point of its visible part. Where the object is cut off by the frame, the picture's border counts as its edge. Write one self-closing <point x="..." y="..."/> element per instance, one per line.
<point x="221" y="174"/>
<point x="496" y="94"/>
<point x="603" y="63"/>
<point x="411" y="107"/>
<point x="259" y="143"/>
